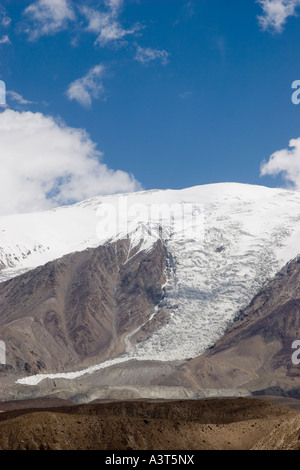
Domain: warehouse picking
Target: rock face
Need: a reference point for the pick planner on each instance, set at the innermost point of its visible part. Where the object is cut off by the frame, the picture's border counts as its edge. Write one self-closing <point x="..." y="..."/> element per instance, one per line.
<point x="256" y="352"/>
<point x="80" y="308"/>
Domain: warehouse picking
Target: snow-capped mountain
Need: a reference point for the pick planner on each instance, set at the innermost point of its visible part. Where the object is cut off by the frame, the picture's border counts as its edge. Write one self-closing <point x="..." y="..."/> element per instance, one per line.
<point x="223" y="241"/>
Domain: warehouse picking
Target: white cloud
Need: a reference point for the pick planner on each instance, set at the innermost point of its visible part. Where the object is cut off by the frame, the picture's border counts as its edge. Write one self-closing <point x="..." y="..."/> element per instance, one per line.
<point x="5" y="20"/>
<point x="276" y="12"/>
<point x="114" y="5"/>
<point x="96" y="19"/>
<point x="49" y="17"/>
<point x="5" y="40"/>
<point x="113" y="32"/>
<point x="14" y="96"/>
<point x="44" y="163"/>
<point x="106" y="24"/>
<point x="144" y="56"/>
<point x="285" y="162"/>
<point x="85" y="88"/>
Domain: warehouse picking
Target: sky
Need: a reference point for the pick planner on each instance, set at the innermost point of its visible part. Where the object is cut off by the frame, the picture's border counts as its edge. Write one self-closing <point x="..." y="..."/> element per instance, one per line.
<point x="109" y="96"/>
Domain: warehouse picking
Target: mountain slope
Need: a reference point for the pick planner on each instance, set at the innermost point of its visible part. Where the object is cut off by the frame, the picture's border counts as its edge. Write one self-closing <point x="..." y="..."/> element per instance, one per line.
<point x="201" y="425"/>
<point x="135" y="425"/>
<point x="81" y="308"/>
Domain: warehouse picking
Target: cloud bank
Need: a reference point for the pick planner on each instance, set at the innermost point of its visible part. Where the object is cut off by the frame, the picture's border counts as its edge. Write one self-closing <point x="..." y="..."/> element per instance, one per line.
<point x="285" y="162"/>
<point x="44" y="164"/>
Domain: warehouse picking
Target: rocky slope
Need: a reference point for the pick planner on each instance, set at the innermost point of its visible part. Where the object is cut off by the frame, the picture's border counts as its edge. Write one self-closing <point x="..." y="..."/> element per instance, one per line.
<point x="81" y="308"/>
<point x="205" y="425"/>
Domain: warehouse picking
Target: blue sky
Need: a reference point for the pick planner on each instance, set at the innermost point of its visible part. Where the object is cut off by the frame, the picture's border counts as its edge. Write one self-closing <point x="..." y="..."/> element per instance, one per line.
<point x="171" y="94"/>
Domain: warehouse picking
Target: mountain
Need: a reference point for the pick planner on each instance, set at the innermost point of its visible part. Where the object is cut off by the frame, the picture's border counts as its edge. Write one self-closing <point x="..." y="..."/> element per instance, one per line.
<point x="155" y="278"/>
